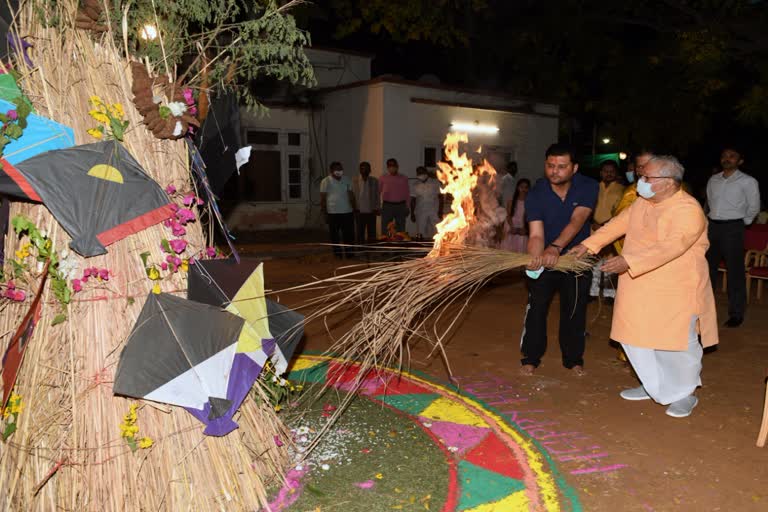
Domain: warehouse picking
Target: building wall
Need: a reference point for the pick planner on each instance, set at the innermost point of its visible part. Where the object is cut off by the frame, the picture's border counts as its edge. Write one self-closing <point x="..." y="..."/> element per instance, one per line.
<point x="287" y="213"/>
<point x="409" y="127"/>
<point x="333" y="69"/>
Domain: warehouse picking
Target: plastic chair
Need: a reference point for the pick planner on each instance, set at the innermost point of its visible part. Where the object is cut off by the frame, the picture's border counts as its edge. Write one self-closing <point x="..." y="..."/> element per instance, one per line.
<point x="756" y="259"/>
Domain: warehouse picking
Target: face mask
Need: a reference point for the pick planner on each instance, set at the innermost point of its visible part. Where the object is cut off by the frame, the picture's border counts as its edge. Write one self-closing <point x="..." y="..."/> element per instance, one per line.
<point x="630" y="177"/>
<point x="644" y="189"/>
<point x="338" y="174"/>
<point x="422" y="177"/>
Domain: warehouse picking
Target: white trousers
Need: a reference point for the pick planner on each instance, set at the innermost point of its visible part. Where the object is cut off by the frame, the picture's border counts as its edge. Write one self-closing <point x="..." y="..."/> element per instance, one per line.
<point x="668" y="375"/>
<point x="426" y="220"/>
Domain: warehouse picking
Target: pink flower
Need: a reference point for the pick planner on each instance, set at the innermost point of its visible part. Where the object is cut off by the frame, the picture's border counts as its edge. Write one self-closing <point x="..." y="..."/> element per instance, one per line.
<point x="164" y="266"/>
<point x="104" y="274"/>
<point x="174" y="208"/>
<point x="178" y="229"/>
<point x="365" y="485"/>
<point x="87" y="273"/>
<point x="278" y="442"/>
<point x="177" y="261"/>
<point x="84" y="279"/>
<point x="11" y="292"/>
<point x="188" y="96"/>
<point x="169" y="258"/>
<point x="77" y="285"/>
<point x="210" y="252"/>
<point x="192" y="260"/>
<point x="167" y="223"/>
<point x="170" y="190"/>
<point x="178" y="245"/>
<point x="12" y="115"/>
<point x="185" y="215"/>
<point x="10" y="285"/>
<point x="192" y="110"/>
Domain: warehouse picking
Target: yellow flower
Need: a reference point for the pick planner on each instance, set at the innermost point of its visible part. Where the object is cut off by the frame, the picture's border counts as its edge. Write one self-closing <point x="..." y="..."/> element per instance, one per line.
<point x="299" y="387"/>
<point x="153" y="274"/>
<point x="99" y="116"/>
<point x="145" y="442"/>
<point x="95" y="101"/>
<point x="184" y="265"/>
<point x="278" y="408"/>
<point x="379" y="476"/>
<point x="116" y="110"/>
<point x="156" y="289"/>
<point x="96" y="133"/>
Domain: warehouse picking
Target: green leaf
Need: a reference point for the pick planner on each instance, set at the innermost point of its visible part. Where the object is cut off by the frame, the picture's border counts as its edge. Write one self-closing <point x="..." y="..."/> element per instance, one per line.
<point x="132" y="443"/>
<point x="166" y="246"/>
<point x="23" y="109"/>
<point x="144" y="257"/>
<point x="10" y="428"/>
<point x="59" y="319"/>
<point x="164" y="112"/>
<point x="131" y="301"/>
<point x="22" y="123"/>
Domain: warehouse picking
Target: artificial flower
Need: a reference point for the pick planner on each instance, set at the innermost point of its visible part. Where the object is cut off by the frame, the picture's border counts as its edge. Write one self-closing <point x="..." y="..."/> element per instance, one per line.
<point x="12" y="115"/>
<point x="103" y="274"/>
<point x="96" y="133"/>
<point x="184" y="265"/>
<point x="153" y="274"/>
<point x="178" y="245"/>
<point x="99" y="116"/>
<point x="95" y="101"/>
<point x="77" y="285"/>
<point x="170" y="190"/>
<point x="178" y="229"/>
<point x="156" y="289"/>
<point x="177" y="108"/>
<point x="185" y="215"/>
<point x="145" y="442"/>
<point x="164" y="266"/>
<point x="210" y="252"/>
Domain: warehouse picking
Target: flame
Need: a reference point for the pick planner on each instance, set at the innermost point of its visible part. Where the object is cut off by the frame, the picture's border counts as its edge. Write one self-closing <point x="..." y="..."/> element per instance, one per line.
<point x="460" y="179"/>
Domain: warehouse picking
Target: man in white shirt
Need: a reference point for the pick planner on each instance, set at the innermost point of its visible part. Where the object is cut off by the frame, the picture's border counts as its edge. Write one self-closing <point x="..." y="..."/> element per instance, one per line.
<point x="507" y="187"/>
<point x="734" y="202"/>
<point x="337" y="203"/>
<point x="426" y="204"/>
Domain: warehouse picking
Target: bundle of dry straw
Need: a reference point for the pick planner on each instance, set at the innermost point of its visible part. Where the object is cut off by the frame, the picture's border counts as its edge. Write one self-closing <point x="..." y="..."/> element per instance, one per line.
<point x="416" y="300"/>
<point x="67" y="453"/>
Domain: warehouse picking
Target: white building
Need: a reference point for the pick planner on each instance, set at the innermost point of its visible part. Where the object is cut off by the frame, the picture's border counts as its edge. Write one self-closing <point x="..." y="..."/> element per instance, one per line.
<point x="354" y="118"/>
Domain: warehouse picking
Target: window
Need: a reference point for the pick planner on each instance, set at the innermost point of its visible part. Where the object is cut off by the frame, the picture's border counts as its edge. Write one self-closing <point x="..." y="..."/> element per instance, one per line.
<point x="262" y="176"/>
<point x="430" y="157"/>
<point x="294" y="139"/>
<point x="294" y="176"/>
<point x="262" y="138"/>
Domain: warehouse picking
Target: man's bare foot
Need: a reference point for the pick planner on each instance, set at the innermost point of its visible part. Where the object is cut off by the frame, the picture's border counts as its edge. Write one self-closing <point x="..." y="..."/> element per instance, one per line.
<point x="579" y="371"/>
<point x="527" y="370"/>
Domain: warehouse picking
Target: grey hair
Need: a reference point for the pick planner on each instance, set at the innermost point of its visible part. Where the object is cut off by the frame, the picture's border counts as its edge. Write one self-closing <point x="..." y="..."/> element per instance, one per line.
<point x="669" y="167"/>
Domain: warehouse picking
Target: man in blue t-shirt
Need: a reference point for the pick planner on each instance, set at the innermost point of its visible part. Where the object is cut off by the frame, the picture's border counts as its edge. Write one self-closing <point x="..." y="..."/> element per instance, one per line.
<point x="558" y="209"/>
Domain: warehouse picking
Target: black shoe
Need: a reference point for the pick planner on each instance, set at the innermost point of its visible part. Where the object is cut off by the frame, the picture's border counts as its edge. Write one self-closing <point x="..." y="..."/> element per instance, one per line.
<point x="734" y="321"/>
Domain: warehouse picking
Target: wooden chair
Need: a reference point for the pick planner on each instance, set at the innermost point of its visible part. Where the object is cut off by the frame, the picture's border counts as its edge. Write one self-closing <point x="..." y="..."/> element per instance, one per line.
<point x="756" y="259"/>
<point x="763" y="435"/>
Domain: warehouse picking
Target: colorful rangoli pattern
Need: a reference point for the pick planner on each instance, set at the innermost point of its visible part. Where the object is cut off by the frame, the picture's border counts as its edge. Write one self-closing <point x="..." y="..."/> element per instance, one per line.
<point x="493" y="467"/>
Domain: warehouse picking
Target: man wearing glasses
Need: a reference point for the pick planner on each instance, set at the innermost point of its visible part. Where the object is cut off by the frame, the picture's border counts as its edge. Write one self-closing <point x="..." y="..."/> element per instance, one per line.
<point x="664" y="299"/>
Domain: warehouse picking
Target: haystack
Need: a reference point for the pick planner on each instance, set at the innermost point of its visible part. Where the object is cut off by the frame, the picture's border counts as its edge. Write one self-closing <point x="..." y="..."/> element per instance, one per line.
<point x="67" y="452"/>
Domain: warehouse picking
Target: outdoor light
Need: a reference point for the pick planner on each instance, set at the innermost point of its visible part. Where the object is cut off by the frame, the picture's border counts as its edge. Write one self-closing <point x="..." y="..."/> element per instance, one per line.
<point x="622" y="156"/>
<point x="475" y="127"/>
<point x="148" y="32"/>
<point x="606" y="140"/>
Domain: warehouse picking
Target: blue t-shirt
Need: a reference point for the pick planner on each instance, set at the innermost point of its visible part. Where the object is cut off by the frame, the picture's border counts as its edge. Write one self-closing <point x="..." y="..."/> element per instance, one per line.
<point x="545" y="205"/>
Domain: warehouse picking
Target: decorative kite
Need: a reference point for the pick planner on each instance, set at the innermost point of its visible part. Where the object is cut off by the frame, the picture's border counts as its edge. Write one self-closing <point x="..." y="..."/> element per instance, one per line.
<point x="239" y="287"/>
<point x="192" y="355"/>
<point x="97" y="192"/>
<point x="40" y="135"/>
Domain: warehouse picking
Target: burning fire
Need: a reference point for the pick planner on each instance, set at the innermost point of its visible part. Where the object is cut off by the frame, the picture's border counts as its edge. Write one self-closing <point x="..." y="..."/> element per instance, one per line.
<point x="465" y="183"/>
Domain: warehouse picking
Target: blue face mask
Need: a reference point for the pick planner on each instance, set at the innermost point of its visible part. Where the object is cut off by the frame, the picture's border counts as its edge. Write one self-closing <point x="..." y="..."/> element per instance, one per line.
<point x="630" y="177"/>
<point x="644" y="189"/>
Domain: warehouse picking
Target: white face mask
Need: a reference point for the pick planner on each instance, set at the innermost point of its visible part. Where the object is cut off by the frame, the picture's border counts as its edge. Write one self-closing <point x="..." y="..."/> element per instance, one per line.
<point x="644" y="189"/>
<point x="630" y="176"/>
<point x="338" y="174"/>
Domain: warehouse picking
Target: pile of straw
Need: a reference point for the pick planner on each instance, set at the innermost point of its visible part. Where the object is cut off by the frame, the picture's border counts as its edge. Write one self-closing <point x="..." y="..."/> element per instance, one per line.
<point x="416" y="300"/>
<point x="67" y="453"/>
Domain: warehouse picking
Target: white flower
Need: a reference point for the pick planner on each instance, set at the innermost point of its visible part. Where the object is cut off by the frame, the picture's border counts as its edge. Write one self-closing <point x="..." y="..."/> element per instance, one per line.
<point x="157" y="100"/>
<point x="177" y="108"/>
<point x="177" y="129"/>
<point x="69" y="265"/>
<point x="325" y="467"/>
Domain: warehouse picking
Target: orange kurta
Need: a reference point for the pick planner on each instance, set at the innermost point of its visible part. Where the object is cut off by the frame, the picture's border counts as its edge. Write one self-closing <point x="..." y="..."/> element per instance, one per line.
<point x="668" y="277"/>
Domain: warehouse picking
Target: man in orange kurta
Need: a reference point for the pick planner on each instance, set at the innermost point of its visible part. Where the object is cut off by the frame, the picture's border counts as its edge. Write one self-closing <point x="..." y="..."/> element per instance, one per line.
<point x="664" y="299"/>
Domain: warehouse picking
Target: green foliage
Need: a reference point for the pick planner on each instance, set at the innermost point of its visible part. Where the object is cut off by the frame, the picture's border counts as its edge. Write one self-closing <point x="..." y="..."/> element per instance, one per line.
<point x="442" y="22"/>
<point x="12" y="126"/>
<point x="44" y="252"/>
<point x="253" y="38"/>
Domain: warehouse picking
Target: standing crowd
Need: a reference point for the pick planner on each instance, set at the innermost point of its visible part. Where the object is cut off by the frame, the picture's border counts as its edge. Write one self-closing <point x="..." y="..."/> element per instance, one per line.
<point x="659" y="252"/>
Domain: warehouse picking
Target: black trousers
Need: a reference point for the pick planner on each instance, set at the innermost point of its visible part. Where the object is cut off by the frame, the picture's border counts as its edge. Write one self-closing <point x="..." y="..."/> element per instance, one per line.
<point x="574" y="291"/>
<point x="342" y="229"/>
<point x="726" y="242"/>
<point x="365" y="224"/>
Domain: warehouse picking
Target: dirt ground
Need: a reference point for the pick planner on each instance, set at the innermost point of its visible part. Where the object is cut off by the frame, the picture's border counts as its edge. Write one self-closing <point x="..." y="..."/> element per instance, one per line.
<point x="617" y="455"/>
